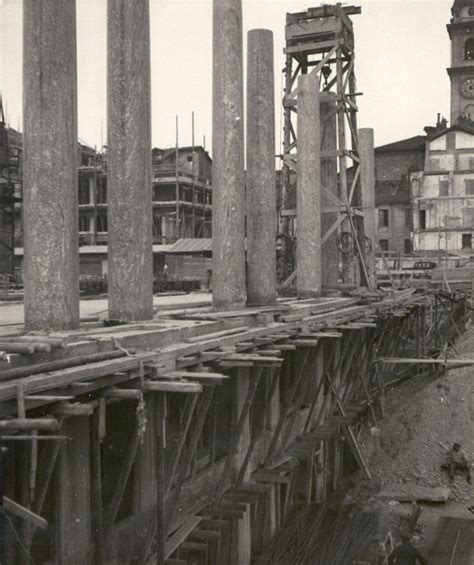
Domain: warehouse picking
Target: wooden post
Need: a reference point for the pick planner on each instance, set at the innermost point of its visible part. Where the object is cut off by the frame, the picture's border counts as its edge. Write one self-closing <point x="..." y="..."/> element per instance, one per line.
<point x="145" y="464"/>
<point x="74" y="494"/>
<point x="3" y="460"/>
<point x="97" y="498"/>
<point x="161" y="528"/>
<point x="308" y="199"/>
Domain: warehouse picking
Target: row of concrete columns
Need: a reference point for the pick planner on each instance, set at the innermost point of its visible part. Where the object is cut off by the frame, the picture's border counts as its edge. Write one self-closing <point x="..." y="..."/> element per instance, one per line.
<point x="234" y="280"/>
<point x="50" y="163"/>
<point x="50" y="166"/>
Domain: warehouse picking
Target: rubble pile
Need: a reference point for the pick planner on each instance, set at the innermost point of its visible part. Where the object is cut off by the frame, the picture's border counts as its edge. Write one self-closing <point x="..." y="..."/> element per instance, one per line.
<point x="411" y="444"/>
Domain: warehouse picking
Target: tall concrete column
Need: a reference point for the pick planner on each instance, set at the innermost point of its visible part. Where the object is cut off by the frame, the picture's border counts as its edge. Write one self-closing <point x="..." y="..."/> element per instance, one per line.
<point x="308" y="196"/>
<point x="330" y="257"/>
<point x="51" y="267"/>
<point x="261" y="176"/>
<point x="228" y="200"/>
<point x="367" y="182"/>
<point x="129" y="160"/>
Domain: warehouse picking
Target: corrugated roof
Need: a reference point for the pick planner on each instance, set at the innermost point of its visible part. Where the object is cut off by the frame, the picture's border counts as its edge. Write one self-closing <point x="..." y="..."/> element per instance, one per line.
<point x="101" y="249"/>
<point x="191" y="246"/>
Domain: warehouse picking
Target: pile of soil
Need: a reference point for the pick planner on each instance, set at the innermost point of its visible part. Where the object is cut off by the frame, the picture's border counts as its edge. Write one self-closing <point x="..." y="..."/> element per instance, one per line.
<point x="422" y="417"/>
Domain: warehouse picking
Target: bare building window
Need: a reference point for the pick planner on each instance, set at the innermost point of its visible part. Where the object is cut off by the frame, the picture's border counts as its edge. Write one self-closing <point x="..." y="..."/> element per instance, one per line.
<point x="102" y="222"/>
<point x="443" y="188"/>
<point x="470" y="12"/>
<point x="467" y="240"/>
<point x="407" y="245"/>
<point x="469" y="186"/>
<point x="408" y="218"/>
<point x="383" y="218"/>
<point x="84" y="223"/>
<point x="102" y="190"/>
<point x="383" y="244"/>
<point x="84" y="192"/>
<point x="469" y="49"/>
<point x="422" y="219"/>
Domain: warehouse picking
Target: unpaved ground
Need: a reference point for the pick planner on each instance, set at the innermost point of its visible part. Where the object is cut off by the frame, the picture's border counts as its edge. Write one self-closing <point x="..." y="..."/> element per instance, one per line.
<point x="406" y="450"/>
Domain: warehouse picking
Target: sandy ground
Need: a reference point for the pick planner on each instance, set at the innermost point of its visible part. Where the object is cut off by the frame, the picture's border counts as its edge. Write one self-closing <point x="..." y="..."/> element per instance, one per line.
<point x="11" y="315"/>
<point x="423" y="414"/>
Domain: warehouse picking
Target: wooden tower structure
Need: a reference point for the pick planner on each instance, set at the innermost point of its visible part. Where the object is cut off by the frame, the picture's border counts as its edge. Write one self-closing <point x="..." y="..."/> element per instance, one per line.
<point x="321" y="40"/>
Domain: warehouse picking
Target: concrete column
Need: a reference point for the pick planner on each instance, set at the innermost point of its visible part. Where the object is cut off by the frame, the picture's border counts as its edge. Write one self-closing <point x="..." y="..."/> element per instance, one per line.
<point x="261" y="176"/>
<point x="74" y="495"/>
<point x="367" y="182"/>
<point x="308" y="196"/>
<point x="51" y="265"/>
<point x="129" y="160"/>
<point x="330" y="256"/>
<point x="228" y="203"/>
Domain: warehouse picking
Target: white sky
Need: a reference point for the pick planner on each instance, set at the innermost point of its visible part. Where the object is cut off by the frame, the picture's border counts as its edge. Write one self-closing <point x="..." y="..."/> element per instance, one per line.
<point x="402" y="51"/>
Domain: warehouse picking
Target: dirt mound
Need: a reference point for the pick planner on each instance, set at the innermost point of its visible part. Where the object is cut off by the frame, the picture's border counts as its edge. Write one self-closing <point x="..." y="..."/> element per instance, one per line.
<point x="422" y="418"/>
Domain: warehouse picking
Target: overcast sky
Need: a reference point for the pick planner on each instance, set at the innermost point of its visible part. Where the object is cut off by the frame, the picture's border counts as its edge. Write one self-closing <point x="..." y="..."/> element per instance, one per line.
<point x="402" y="51"/>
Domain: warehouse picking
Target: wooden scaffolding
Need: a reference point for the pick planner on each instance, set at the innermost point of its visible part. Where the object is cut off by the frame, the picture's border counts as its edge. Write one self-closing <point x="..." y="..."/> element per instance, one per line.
<point x="321" y="40"/>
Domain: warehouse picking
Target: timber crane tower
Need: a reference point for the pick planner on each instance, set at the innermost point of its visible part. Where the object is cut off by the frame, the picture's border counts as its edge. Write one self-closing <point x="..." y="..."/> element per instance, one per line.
<point x="321" y="40"/>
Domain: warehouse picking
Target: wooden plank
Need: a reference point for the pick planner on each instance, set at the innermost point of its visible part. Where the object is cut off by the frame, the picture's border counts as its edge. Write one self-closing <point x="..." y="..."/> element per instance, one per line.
<point x="71" y="375"/>
<point x="193" y="375"/>
<point x="179" y="387"/>
<point x="31" y="424"/>
<point x="178" y="537"/>
<point x="24" y="513"/>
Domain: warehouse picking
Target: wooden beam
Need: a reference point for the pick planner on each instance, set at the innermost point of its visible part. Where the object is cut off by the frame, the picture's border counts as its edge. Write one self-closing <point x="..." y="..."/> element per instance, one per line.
<point x="31" y="424"/>
<point x="287" y="403"/>
<point x="262" y="417"/>
<point x="405" y="361"/>
<point x="189" y="408"/>
<point x="123" y="477"/>
<point x="179" y="387"/>
<point x="181" y="534"/>
<point x="72" y="409"/>
<point x="24" y="513"/>
<point x="122" y="393"/>
<point x="234" y="443"/>
<point x="193" y="375"/>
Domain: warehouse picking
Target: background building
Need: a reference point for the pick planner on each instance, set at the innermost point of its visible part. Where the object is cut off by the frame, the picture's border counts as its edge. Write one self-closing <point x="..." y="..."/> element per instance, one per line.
<point x="443" y="193"/>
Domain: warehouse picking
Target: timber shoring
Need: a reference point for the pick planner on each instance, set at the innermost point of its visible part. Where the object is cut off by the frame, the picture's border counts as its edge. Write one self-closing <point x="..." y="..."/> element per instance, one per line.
<point x="316" y="405"/>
